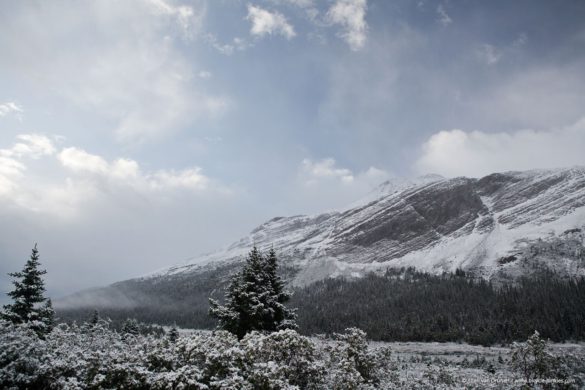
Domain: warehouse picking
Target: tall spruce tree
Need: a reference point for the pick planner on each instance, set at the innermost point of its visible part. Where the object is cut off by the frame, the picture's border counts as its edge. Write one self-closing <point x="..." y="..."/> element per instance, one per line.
<point x="29" y="303"/>
<point x="255" y="298"/>
<point x="282" y="316"/>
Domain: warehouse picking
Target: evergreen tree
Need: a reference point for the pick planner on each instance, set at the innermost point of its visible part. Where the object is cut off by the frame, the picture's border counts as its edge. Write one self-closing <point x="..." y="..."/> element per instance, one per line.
<point x="29" y="303"/>
<point x="95" y="318"/>
<point x="173" y="334"/>
<point x="131" y="327"/>
<point x="282" y="317"/>
<point x="255" y="298"/>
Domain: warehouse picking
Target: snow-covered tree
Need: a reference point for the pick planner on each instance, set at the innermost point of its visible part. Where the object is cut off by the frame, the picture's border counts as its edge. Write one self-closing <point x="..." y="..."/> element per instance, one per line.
<point x="29" y="302"/>
<point x="533" y="360"/>
<point x="283" y="317"/>
<point x="131" y="327"/>
<point x="94" y="319"/>
<point x="255" y="298"/>
<point x="173" y="334"/>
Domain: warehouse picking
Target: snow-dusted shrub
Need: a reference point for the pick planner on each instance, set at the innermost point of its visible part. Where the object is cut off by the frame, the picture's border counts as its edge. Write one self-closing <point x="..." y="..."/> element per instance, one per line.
<point x="71" y="357"/>
<point x="533" y="360"/>
<point x="438" y="375"/>
<point x="282" y="360"/>
<point x="218" y="356"/>
<point x="352" y="365"/>
<point x="21" y="357"/>
<point x="92" y="356"/>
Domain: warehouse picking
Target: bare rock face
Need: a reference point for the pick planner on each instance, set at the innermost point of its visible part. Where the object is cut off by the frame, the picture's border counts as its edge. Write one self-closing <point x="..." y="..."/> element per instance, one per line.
<point x="500" y="226"/>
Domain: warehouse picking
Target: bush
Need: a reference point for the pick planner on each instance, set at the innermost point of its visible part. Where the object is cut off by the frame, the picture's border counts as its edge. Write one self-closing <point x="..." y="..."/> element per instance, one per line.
<point x="96" y="357"/>
<point x="533" y="360"/>
<point x="352" y="365"/>
<point x="298" y="362"/>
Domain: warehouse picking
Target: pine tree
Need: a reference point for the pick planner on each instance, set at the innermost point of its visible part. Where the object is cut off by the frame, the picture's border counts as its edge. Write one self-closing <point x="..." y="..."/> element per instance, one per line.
<point x="255" y="298"/>
<point x="30" y="304"/>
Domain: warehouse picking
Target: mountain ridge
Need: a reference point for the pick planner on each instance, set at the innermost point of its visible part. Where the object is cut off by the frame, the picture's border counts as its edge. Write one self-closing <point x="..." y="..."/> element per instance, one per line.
<point x="498" y="227"/>
<point x="473" y="206"/>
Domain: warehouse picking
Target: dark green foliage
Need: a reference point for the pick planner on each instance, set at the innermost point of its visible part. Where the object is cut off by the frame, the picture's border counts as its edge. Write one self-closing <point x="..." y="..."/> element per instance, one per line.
<point x="133" y="327"/>
<point x="401" y="305"/>
<point x="412" y="306"/>
<point x="94" y="319"/>
<point x="183" y="301"/>
<point x="255" y="298"/>
<point x="29" y="303"/>
<point x="130" y="326"/>
<point x="173" y="334"/>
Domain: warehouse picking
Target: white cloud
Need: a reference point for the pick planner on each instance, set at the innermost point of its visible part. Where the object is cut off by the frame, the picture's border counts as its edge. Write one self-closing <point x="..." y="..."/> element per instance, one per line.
<point x="308" y="6"/>
<point x="237" y="44"/>
<point x="12" y="169"/>
<point x="350" y="15"/>
<point x="79" y="160"/>
<point x="325" y="168"/>
<point x="10" y="108"/>
<point x="476" y="153"/>
<point x="107" y="219"/>
<point x="520" y="40"/>
<point x="124" y="65"/>
<point x="66" y="182"/>
<point x="489" y="54"/>
<point x="188" y="178"/>
<point x="537" y="97"/>
<point x="323" y="185"/>
<point x="265" y="22"/>
<point x="116" y="84"/>
<point x="188" y="18"/>
<point x="301" y="3"/>
<point x="443" y="16"/>
<point x="32" y="145"/>
<point x="127" y="172"/>
<point x="204" y="74"/>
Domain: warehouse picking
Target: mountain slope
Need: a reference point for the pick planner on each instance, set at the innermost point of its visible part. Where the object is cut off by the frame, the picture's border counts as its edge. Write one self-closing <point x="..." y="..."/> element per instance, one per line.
<point x="439" y="225"/>
<point x="500" y="226"/>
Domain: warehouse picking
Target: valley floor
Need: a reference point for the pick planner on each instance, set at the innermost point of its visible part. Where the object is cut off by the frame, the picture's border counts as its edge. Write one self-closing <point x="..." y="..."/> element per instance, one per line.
<point x="460" y="365"/>
<point x="451" y="365"/>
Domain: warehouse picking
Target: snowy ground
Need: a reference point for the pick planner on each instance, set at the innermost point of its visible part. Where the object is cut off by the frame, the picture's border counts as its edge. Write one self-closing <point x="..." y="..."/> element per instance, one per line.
<point x="460" y="365"/>
<point x="468" y="365"/>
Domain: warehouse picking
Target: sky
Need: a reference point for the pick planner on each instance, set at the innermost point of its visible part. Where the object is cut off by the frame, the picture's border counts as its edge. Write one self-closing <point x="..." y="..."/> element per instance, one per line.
<point x="135" y="135"/>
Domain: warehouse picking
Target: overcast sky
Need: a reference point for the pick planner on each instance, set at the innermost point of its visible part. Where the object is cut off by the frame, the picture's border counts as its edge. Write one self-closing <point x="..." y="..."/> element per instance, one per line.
<point x="136" y="134"/>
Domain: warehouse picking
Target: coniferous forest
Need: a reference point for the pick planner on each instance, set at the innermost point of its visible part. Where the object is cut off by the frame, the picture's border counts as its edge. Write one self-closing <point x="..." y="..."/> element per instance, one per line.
<point x="407" y="305"/>
<point x="401" y="305"/>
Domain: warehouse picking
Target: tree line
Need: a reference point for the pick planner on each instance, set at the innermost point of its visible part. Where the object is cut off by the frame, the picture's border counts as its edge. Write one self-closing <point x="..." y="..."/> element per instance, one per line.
<point x="400" y="305"/>
<point x="408" y="305"/>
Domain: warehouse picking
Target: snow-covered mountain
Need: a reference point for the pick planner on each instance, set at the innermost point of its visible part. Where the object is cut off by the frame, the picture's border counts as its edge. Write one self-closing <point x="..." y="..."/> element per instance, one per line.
<point x="490" y="226"/>
<point x="500" y="226"/>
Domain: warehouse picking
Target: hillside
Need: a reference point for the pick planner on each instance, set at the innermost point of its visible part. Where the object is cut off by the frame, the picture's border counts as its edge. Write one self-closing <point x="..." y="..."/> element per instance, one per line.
<point x="498" y="228"/>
